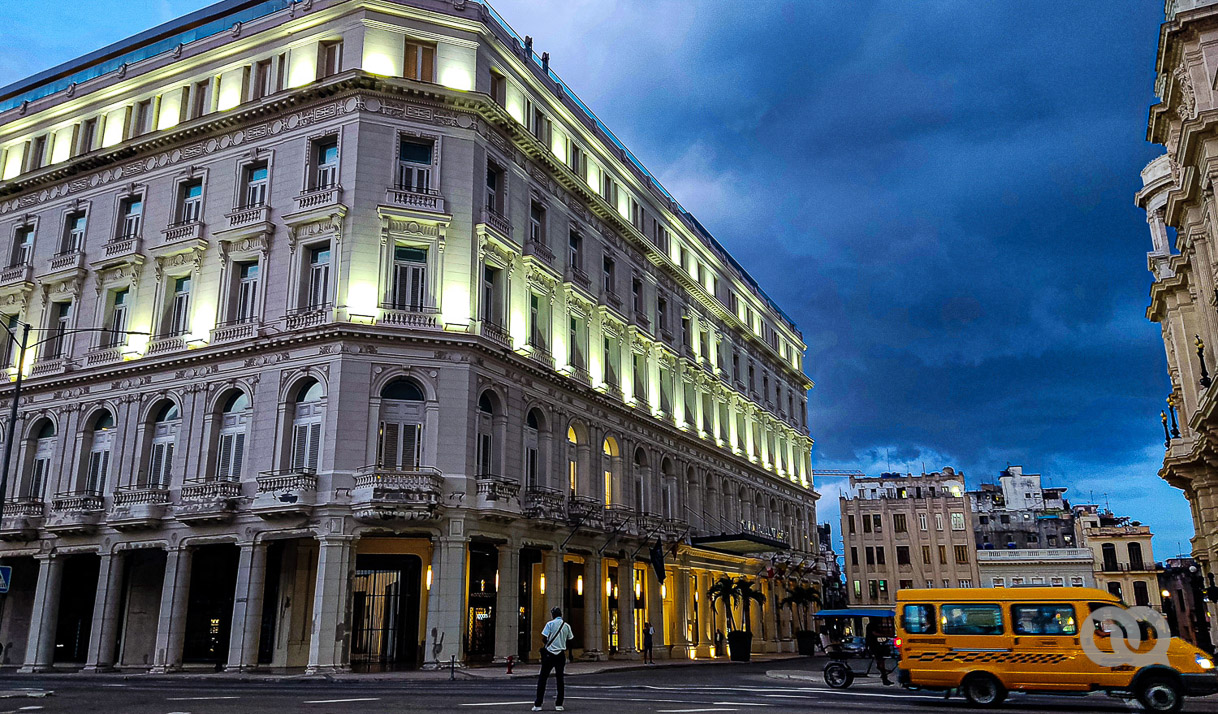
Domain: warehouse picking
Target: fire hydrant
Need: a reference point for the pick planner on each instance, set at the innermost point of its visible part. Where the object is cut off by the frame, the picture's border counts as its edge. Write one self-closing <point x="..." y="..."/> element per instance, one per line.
<point x="511" y="660"/>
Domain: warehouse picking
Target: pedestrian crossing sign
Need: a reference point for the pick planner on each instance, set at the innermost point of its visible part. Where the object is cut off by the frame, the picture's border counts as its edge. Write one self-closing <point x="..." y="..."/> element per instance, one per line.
<point x="6" y="575"/>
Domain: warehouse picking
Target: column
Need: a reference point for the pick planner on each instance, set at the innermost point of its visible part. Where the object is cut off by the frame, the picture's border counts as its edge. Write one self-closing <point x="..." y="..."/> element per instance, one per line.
<point x="507" y="602"/>
<point x="104" y="636"/>
<point x="594" y="600"/>
<point x="553" y="569"/>
<point x="655" y="610"/>
<point x="40" y="644"/>
<point x="171" y="620"/>
<point x="625" y="611"/>
<point x="706" y="634"/>
<point x="331" y="604"/>
<point x="247" y="608"/>
<point x="680" y="613"/>
<point x="445" y="602"/>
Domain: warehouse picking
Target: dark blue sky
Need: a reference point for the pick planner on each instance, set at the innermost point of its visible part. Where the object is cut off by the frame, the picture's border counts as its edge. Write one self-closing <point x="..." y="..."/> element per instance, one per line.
<point x="940" y="194"/>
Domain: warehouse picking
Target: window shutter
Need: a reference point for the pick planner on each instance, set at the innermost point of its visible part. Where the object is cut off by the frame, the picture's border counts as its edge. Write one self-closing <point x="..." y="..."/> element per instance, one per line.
<point x="238" y="456"/>
<point x="390" y="456"/>
<point x="300" y="441"/>
<point x="411" y="446"/>
<point x="154" y="465"/>
<point x="412" y="60"/>
<point x="314" y="446"/>
<point x="417" y="278"/>
<point x="40" y="469"/>
<point x="429" y="64"/>
<point x="223" y="471"/>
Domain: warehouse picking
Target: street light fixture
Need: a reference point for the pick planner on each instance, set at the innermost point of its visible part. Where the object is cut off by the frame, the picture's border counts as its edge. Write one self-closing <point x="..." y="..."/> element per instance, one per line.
<point x="23" y="344"/>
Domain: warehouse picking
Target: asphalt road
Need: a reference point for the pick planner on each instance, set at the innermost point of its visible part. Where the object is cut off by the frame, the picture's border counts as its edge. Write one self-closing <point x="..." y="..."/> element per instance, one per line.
<point x="662" y="690"/>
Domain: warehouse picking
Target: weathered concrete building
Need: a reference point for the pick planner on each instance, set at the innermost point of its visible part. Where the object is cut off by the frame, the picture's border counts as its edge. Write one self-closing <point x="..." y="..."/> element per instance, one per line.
<point x="365" y="343"/>
<point x="1123" y="555"/>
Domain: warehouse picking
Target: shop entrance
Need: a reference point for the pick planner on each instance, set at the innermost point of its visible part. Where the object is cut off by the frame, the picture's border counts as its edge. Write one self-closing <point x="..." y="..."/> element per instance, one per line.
<point x="385" y="612"/>
<point x="483" y="591"/>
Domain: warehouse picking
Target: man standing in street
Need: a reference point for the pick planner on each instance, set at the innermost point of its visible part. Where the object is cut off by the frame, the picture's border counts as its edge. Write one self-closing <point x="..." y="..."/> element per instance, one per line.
<point x="554" y="636"/>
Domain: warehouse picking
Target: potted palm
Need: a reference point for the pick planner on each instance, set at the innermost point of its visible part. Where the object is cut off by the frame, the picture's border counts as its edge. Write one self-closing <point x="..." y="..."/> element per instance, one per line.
<point x="740" y="642"/>
<point x="724" y="591"/>
<point x="800" y="599"/>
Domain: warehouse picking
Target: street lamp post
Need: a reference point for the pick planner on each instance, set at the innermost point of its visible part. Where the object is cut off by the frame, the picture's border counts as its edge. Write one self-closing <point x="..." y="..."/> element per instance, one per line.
<point x="23" y="345"/>
<point x="1205" y="375"/>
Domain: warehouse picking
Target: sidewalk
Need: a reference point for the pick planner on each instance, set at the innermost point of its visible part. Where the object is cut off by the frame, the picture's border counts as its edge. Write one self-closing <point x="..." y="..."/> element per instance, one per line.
<point x="496" y="672"/>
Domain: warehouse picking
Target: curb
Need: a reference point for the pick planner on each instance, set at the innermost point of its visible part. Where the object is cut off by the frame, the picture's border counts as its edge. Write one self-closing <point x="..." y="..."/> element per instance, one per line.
<point x="787" y="674"/>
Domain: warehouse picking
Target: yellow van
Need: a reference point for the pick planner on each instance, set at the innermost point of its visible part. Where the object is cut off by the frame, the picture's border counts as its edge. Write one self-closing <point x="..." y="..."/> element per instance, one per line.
<point x="988" y="641"/>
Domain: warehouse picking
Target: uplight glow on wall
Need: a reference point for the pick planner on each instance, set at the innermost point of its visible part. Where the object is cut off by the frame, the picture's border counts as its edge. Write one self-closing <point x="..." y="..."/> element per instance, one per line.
<point x="455" y="77"/>
<point x="302" y="66"/>
<point x="361" y="300"/>
<point x="456" y="307"/>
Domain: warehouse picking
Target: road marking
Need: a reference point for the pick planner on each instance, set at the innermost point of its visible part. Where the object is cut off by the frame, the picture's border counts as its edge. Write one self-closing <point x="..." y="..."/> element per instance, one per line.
<point x="851" y="693"/>
<point x="342" y="701"/>
<point x="496" y="704"/>
<point x="196" y="699"/>
<point x="744" y="704"/>
<point x="29" y="709"/>
<point x="695" y="710"/>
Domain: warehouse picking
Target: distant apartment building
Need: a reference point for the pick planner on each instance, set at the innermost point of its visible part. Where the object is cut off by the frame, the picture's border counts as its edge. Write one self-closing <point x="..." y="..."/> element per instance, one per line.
<point x="905" y="531"/>
<point x="1025" y="534"/>
<point x="1182" y="589"/>
<point x="1124" y="560"/>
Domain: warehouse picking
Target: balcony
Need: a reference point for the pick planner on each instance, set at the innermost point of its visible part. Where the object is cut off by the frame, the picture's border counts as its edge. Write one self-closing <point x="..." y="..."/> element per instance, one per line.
<point x="540" y="251"/>
<point x="248" y="216"/>
<point x="183" y="232"/>
<point x="390" y="495"/>
<point x="579" y="374"/>
<point x="497" y="222"/>
<point x="1111" y="567"/>
<point x="204" y="502"/>
<point x="138" y="508"/>
<point x="285" y="494"/>
<point x="540" y="355"/>
<point x="545" y="504"/>
<point x="20" y="519"/>
<point x="618" y="518"/>
<point x="104" y="355"/>
<point x="234" y="330"/>
<point x="578" y="277"/>
<point x="122" y="249"/>
<point x="48" y="366"/>
<point x="497" y="492"/>
<point x="319" y="197"/>
<point x="166" y="343"/>
<point x="416" y="199"/>
<point x="75" y="513"/>
<point x="585" y="513"/>
<point x="13" y="274"/>
<point x="416" y="316"/>
<point x="66" y="263"/>
<point x="496" y="332"/>
<point x="311" y="316"/>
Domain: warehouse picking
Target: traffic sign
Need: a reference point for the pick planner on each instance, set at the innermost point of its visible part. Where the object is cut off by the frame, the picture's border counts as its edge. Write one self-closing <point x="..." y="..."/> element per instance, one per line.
<point x="6" y="576"/>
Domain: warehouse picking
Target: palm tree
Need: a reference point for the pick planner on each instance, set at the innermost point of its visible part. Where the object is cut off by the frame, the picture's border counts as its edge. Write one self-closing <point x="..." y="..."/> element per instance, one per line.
<point x="724" y="590"/>
<point x="800" y="599"/>
<point x="748" y="593"/>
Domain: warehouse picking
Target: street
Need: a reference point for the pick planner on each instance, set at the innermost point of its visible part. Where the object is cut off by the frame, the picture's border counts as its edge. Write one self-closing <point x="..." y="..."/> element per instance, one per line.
<point x="659" y="690"/>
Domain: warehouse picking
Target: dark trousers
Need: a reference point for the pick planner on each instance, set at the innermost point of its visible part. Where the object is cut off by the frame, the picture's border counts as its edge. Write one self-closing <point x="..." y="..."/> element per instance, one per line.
<point x="549" y="662"/>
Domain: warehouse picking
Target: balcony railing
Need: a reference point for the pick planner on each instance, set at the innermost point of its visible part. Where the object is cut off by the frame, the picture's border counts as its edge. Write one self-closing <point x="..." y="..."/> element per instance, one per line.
<point x="579" y="277"/>
<point x="541" y="355"/>
<point x="248" y="215"/>
<point x="409" y="315"/>
<point x="23" y="508"/>
<point x="77" y="502"/>
<point x="205" y="502"/>
<point x="167" y="343"/>
<point x="16" y="274"/>
<point x="67" y="261"/>
<point x="319" y="197"/>
<point x="233" y="330"/>
<point x="310" y="316"/>
<point x="104" y="355"/>
<point x="496" y="332"/>
<point x="390" y="494"/>
<point x="579" y="374"/>
<point x="418" y="199"/>
<point x="138" y="496"/>
<point x="50" y="365"/>
<point x="290" y="492"/>
<point x="497" y="221"/>
<point x="179" y="232"/>
<point x="539" y="249"/>
<point x="122" y="247"/>
<point x="493" y="488"/>
<point x="545" y="504"/>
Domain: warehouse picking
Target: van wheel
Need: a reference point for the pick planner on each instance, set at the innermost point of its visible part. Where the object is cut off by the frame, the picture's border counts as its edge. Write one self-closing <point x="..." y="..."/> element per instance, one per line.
<point x="983" y="690"/>
<point x="1160" y="694"/>
<point x="838" y="675"/>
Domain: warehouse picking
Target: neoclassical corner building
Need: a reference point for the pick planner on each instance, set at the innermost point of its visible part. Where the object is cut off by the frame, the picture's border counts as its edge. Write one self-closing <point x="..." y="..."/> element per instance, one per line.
<point x="362" y="343"/>
<point x="1178" y="197"/>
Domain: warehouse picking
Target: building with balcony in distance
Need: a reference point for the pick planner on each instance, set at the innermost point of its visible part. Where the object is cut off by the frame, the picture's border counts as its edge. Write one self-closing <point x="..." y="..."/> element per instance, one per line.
<point x="1122" y="553"/>
<point x="1183" y="591"/>
<point x="1025" y="534"/>
<point x="905" y="531"/>
<point x="1178" y="194"/>
<point x="402" y="348"/>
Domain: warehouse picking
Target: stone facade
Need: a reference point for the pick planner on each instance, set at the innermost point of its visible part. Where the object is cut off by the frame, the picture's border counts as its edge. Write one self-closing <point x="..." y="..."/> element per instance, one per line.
<point x="1055" y="567"/>
<point x="362" y="344"/>
<point x="1123" y="555"/>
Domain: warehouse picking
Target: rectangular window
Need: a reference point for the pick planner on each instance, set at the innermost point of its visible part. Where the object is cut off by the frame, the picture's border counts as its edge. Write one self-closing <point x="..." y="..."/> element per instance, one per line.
<point x="938" y="521"/>
<point x="636" y="296"/>
<point x="264" y="78"/>
<point x="866" y="523"/>
<point x="537" y="322"/>
<point x="858" y="590"/>
<point x="23" y="246"/>
<point x="961" y="553"/>
<point x="943" y="555"/>
<point x="957" y="521"/>
<point x="850" y="524"/>
<point x="61" y="317"/>
<point x="143" y="118"/>
<point x="918" y="619"/>
<point x="256" y="179"/>
<point x="971" y="619"/>
<point x="608" y="276"/>
<point x="854" y="556"/>
<point x="420" y="61"/>
<point x="873" y="589"/>
<point x="926" y="555"/>
<point x="246" y="308"/>
<point x="902" y="555"/>
<point x="190" y="202"/>
<point x="132" y="212"/>
<point x="1047" y="619"/>
<point x="88" y="136"/>
<point x="877" y="522"/>
<point x="178" y="321"/>
<point x="490" y="303"/>
<point x="640" y="378"/>
<point x="879" y="555"/>
<point x="537" y="223"/>
<point x="662" y="314"/>
<point x="498" y="88"/>
<point x="610" y="361"/>
<point x="117" y="322"/>
<point x="414" y="165"/>
<point x="574" y="255"/>
<point x="922" y="521"/>
<point x="319" y="276"/>
<point x="73" y="232"/>
<point x="898" y="523"/>
<point x="495" y="189"/>
<point x="325" y="162"/>
<point x="409" y="278"/>
<point x="200" y="99"/>
<point x="576" y="160"/>
<point x="575" y="339"/>
<point x="330" y="58"/>
<point x="400" y="446"/>
<point x="869" y="551"/>
<point x="965" y="583"/>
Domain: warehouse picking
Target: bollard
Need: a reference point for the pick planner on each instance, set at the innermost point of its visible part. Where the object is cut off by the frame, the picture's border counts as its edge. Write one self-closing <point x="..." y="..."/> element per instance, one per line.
<point x="452" y="668"/>
<point x="510" y="661"/>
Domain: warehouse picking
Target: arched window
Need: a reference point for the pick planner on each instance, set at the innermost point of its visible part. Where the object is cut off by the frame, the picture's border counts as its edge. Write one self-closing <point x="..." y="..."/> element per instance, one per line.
<point x="486" y="434"/>
<point x="1109" y="553"/>
<point x="308" y="413"/>
<point x="101" y="441"/>
<point x="610" y="450"/>
<point x="668" y="490"/>
<point x="165" y="424"/>
<point x="534" y="464"/>
<point x="234" y="416"/>
<point x="43" y="452"/>
<point x="640" y="480"/>
<point x="1135" y="557"/>
<point x="400" y="446"/>
<point x="572" y="461"/>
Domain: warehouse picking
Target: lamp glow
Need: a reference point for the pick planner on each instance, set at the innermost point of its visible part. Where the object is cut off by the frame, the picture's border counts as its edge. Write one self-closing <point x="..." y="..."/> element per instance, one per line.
<point x="542" y="585"/>
<point x="579" y="585"/>
<point x="429" y="578"/>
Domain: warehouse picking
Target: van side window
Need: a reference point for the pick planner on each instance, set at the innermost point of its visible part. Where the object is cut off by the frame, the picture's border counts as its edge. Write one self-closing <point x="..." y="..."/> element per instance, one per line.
<point x="918" y="619"/>
<point x="1047" y="619"/>
<point x="971" y="619"/>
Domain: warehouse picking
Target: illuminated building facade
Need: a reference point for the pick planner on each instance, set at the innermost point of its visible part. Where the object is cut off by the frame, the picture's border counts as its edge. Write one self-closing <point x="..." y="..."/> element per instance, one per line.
<point x="400" y="348"/>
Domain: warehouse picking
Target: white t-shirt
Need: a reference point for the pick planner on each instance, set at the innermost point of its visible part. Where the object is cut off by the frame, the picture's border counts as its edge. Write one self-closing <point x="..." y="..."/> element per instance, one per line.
<point x="559" y="641"/>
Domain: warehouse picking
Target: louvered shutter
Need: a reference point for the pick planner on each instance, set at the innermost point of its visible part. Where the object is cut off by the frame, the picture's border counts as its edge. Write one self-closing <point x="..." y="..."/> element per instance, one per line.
<point x="390" y="456"/>
<point x="39" y="475"/>
<point x="410" y="446"/>
<point x="417" y="279"/>
<point x="300" y="442"/>
<point x="224" y="463"/>
<point x="155" y="464"/>
<point x="238" y="456"/>
<point x="314" y="453"/>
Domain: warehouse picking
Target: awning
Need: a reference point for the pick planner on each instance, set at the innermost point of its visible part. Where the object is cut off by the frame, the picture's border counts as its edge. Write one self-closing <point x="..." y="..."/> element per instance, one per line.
<point x="855" y="613"/>
<point x="739" y="544"/>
